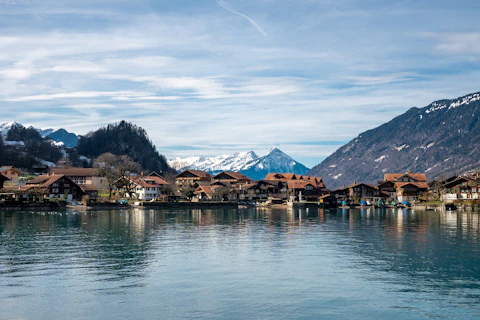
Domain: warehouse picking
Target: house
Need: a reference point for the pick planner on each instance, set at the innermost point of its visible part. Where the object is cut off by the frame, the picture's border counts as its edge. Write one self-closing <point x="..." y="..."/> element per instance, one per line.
<point x="143" y="188"/>
<point x="230" y="177"/>
<point x="83" y="176"/>
<point x="408" y="186"/>
<point x="281" y="176"/>
<point x="55" y="186"/>
<point x="357" y="192"/>
<point x="209" y="193"/>
<point x="302" y="190"/>
<point x="192" y="178"/>
<point x="11" y="173"/>
<point x="462" y="188"/>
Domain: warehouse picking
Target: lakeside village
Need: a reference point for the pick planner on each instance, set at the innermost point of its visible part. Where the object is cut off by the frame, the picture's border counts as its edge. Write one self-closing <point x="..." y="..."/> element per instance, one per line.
<point x="85" y="187"/>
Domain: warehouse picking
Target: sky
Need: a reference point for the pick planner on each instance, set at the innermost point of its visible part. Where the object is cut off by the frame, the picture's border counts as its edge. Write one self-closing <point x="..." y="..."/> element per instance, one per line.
<point x="212" y="77"/>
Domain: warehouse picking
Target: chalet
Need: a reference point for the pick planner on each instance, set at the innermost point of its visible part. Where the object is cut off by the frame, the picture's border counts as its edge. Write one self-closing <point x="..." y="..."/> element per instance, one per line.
<point x="55" y="186"/>
<point x="262" y="190"/>
<point x="462" y="188"/>
<point x="302" y="190"/>
<point x="358" y="191"/>
<point x="408" y="186"/>
<point x="83" y="176"/>
<point x="209" y="193"/>
<point x="192" y="178"/>
<point x="231" y="178"/>
<point x="11" y="173"/>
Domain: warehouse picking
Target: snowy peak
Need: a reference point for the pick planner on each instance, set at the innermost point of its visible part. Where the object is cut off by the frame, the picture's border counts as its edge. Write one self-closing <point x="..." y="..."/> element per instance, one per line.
<point x="4" y="128"/>
<point x="245" y="162"/>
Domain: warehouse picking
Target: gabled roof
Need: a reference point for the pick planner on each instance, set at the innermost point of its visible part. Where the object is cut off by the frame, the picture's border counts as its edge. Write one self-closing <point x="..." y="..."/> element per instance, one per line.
<point x="198" y="173"/>
<point x="420" y="185"/>
<point x="395" y="176"/>
<point x="298" y="184"/>
<point x="281" y="176"/>
<point x="353" y="185"/>
<point x="234" y="175"/>
<point x="45" y="181"/>
<point x="460" y="179"/>
<point x="156" y="179"/>
<point x="207" y="189"/>
<point x="6" y="168"/>
<point x="75" y="172"/>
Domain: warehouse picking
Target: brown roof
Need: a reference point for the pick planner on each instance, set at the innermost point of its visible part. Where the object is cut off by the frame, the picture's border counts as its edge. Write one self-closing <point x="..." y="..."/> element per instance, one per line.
<point x="6" y="168"/>
<point x="44" y="181"/>
<point x="395" y="176"/>
<point x="207" y="189"/>
<point x="298" y="184"/>
<point x="198" y="173"/>
<point x="87" y="187"/>
<point x="75" y="172"/>
<point x="353" y="185"/>
<point x="420" y="185"/>
<point x="235" y="175"/>
<point x="39" y="180"/>
<point x="156" y="179"/>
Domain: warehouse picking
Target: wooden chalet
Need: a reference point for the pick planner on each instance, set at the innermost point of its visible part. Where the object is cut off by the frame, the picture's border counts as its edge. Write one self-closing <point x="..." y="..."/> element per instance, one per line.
<point x="261" y="190"/>
<point x="192" y="178"/>
<point x="462" y="188"/>
<point x="208" y="193"/>
<point x="82" y="176"/>
<point x="231" y="178"/>
<point x="357" y="192"/>
<point x="55" y="186"/>
<point x="408" y="186"/>
<point x="11" y="173"/>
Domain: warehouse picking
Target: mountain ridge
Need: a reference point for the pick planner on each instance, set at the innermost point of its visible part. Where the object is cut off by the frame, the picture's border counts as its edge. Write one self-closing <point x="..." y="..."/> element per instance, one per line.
<point x="439" y="139"/>
<point x="248" y="163"/>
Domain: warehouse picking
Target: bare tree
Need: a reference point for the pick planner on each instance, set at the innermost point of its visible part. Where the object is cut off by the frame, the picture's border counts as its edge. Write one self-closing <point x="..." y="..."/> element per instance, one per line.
<point x="114" y="167"/>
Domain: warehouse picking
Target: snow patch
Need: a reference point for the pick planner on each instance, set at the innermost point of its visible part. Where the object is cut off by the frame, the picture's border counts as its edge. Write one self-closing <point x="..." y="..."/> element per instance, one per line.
<point x="337" y="176"/>
<point x="402" y="147"/>
<point x="332" y="166"/>
<point x="380" y="159"/>
<point x="459" y="102"/>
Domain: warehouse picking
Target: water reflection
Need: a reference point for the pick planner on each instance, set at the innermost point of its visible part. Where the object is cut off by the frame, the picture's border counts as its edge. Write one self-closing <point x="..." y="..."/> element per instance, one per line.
<point x="427" y="256"/>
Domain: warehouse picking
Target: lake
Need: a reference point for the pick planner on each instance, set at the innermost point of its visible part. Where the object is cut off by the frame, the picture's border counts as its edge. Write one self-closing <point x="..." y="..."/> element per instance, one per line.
<point x="240" y="264"/>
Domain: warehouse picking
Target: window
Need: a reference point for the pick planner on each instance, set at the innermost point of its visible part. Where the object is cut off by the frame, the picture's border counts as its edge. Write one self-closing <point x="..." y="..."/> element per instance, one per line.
<point x="54" y="190"/>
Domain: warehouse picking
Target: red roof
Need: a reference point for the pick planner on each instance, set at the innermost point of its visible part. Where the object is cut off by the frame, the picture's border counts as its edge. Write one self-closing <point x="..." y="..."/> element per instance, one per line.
<point x="75" y="172"/>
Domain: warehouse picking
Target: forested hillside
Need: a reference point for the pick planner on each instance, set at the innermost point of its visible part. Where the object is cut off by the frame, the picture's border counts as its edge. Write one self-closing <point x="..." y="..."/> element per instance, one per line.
<point x="123" y="138"/>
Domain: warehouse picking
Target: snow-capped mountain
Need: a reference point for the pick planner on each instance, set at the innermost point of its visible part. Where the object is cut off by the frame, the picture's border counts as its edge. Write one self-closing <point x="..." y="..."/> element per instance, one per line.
<point x="247" y="163"/>
<point x="61" y="137"/>
<point x="43" y="132"/>
<point x="4" y="128"/>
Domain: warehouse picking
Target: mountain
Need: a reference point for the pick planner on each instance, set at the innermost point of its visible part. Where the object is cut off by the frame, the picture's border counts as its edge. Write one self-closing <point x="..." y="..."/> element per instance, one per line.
<point x="43" y="132"/>
<point x="62" y="136"/>
<point x="24" y="147"/>
<point x="123" y="138"/>
<point x="440" y="139"/>
<point x="5" y="128"/>
<point x="247" y="163"/>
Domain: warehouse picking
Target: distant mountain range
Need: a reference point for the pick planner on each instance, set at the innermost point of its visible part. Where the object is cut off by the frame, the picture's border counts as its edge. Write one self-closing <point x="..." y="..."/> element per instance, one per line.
<point x="440" y="139"/>
<point x="61" y="137"/>
<point x="247" y="163"/>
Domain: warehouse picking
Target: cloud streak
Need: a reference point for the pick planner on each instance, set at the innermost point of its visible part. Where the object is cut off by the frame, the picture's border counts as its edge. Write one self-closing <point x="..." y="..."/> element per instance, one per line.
<point x="227" y="7"/>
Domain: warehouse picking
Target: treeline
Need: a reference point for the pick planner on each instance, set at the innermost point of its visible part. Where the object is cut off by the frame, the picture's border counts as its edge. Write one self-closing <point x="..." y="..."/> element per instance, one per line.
<point x="35" y="148"/>
<point x="123" y="138"/>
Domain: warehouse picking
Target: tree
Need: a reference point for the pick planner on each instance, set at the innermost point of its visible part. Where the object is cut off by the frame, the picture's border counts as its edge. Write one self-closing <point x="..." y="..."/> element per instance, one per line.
<point x="114" y="167"/>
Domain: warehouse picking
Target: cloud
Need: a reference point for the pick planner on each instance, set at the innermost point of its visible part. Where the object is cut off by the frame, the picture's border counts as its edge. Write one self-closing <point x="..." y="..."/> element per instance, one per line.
<point x="227" y="7"/>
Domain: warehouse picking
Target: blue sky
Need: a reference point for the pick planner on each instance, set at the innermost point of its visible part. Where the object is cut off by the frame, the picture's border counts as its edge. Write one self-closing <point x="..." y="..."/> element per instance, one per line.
<point x="216" y="77"/>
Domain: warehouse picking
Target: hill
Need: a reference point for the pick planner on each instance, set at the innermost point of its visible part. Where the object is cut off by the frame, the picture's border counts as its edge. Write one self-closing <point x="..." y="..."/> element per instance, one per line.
<point x="123" y="138"/>
<point x="24" y="147"/>
<point x="440" y="139"/>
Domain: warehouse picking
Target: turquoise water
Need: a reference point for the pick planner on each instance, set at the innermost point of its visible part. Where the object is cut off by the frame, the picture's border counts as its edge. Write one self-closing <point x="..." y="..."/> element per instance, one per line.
<point x="240" y="264"/>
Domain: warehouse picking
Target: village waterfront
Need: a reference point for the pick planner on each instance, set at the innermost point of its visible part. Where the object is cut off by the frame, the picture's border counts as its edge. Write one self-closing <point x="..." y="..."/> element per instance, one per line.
<point x="256" y="263"/>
